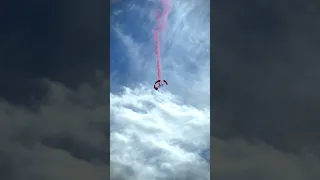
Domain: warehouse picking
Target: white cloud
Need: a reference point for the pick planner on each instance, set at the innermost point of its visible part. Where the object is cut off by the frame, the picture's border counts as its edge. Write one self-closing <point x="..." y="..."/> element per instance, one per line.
<point x="156" y="137"/>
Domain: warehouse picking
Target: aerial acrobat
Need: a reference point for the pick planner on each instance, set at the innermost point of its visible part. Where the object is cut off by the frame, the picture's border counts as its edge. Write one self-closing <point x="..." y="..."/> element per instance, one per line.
<point x="161" y="25"/>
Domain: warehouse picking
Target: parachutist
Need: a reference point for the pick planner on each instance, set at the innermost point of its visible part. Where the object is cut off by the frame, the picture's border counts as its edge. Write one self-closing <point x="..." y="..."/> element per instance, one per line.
<point x="158" y="84"/>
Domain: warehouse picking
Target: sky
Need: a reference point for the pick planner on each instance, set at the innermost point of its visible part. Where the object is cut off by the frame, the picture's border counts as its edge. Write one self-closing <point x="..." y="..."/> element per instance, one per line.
<point x="55" y="106"/>
<point x="162" y="134"/>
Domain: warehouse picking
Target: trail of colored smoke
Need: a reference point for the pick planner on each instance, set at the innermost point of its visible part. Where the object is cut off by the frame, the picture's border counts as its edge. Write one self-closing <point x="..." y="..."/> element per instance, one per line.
<point x="161" y="18"/>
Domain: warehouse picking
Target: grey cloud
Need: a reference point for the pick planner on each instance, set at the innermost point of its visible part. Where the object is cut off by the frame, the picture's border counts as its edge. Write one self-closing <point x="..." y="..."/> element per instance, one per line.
<point x="266" y="71"/>
<point x="239" y="159"/>
<point x="53" y="125"/>
<point x="58" y="40"/>
<point x="61" y="140"/>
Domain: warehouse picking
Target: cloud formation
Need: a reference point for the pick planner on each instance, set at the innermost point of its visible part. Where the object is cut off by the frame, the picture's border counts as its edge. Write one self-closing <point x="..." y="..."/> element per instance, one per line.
<point x="265" y="76"/>
<point x="156" y="137"/>
<point x="240" y="159"/>
<point x="265" y="86"/>
<point x="65" y="138"/>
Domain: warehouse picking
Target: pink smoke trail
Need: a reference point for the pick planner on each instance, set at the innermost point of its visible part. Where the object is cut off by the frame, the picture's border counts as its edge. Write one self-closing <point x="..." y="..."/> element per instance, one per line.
<point x="161" y="19"/>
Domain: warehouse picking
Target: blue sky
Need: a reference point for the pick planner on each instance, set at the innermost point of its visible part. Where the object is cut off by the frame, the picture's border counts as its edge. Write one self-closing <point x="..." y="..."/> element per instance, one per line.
<point x="164" y="132"/>
<point x="136" y="22"/>
<point x="131" y="24"/>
